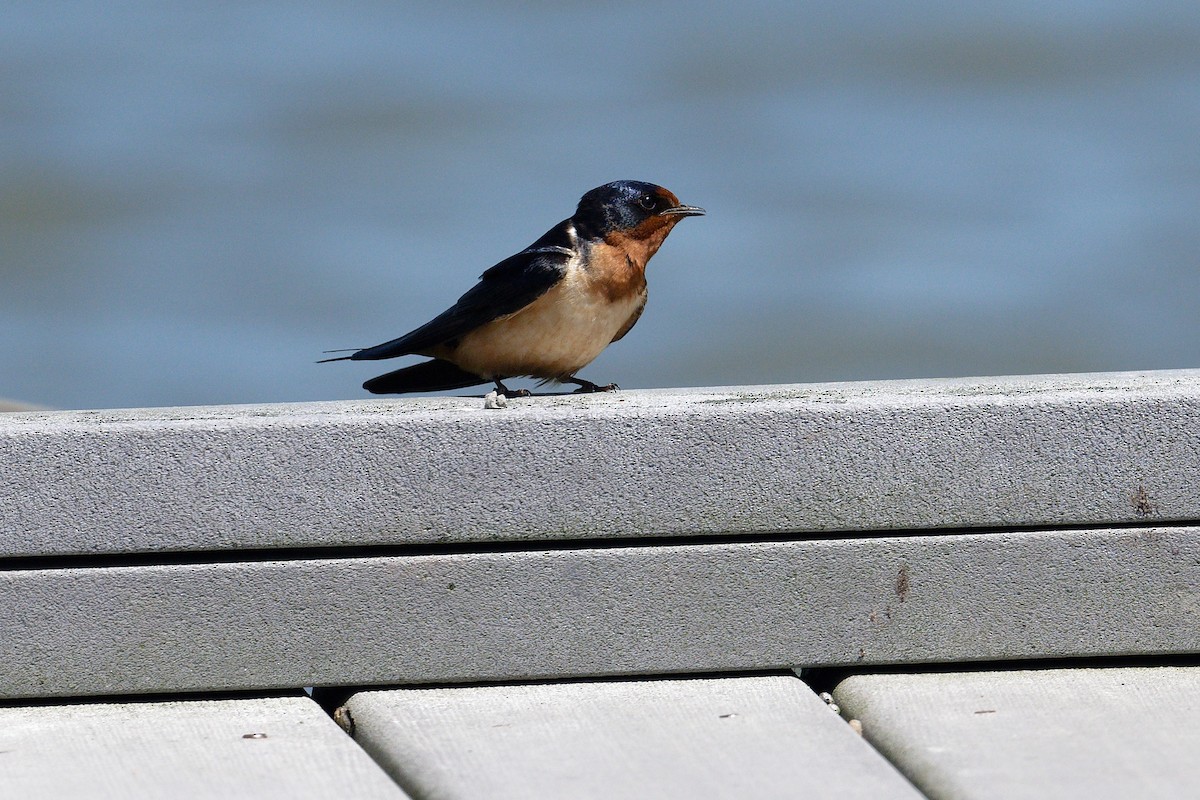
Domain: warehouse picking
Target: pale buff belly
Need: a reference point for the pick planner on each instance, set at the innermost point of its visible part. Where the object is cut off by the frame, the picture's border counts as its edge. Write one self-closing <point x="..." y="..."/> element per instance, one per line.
<point x="555" y="336"/>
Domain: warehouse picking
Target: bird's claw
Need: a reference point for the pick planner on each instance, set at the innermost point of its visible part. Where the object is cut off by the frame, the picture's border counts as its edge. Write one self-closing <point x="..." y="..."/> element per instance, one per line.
<point x="588" y="388"/>
<point x="507" y="392"/>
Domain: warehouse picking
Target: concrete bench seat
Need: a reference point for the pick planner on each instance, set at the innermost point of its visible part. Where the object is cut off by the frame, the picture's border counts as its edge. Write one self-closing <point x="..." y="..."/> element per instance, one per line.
<point x="720" y="532"/>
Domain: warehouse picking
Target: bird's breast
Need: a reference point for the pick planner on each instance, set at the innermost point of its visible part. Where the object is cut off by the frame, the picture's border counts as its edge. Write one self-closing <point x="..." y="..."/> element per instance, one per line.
<point x="560" y="332"/>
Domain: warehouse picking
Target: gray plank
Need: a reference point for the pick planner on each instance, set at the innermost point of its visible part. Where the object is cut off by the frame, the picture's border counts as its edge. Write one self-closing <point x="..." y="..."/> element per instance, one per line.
<point x="859" y="456"/>
<point x="1065" y="733"/>
<point x="194" y="749"/>
<point x="760" y="737"/>
<point x="605" y="611"/>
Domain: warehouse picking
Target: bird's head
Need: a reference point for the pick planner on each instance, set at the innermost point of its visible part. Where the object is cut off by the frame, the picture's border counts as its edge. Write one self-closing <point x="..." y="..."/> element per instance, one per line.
<point x="630" y="210"/>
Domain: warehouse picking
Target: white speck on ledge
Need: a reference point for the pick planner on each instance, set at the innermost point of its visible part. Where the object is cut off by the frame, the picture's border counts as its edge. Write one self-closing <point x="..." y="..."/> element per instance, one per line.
<point x="494" y="399"/>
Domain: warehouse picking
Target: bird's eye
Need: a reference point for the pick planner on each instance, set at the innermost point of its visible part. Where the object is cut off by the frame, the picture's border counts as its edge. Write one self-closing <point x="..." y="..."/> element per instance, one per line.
<point x="647" y="202"/>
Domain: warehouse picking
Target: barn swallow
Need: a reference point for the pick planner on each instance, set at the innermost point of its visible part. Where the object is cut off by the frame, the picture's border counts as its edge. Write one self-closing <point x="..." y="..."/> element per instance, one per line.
<point x="549" y="310"/>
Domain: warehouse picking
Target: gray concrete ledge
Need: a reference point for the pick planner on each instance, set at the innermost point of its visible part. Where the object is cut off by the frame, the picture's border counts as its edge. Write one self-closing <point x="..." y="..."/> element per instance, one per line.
<point x="1039" y="450"/>
<point x="193" y="749"/>
<point x="608" y="611"/>
<point x="759" y="737"/>
<point x="1092" y="734"/>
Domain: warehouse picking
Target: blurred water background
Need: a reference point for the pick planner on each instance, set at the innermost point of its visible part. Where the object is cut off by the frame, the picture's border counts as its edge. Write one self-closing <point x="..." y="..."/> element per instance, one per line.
<point x="196" y="199"/>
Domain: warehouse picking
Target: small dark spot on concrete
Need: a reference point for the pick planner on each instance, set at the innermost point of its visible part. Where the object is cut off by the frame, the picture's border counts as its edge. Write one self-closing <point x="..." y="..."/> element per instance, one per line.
<point x="1142" y="506"/>
<point x="254" y="736"/>
<point x="727" y="716"/>
<point x="902" y="583"/>
<point x="986" y="711"/>
<point x="862" y="654"/>
<point x="450" y="586"/>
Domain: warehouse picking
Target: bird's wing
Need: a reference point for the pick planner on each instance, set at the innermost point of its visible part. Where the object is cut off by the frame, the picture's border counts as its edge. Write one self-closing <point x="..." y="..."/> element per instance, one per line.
<point x="433" y="375"/>
<point x="504" y="289"/>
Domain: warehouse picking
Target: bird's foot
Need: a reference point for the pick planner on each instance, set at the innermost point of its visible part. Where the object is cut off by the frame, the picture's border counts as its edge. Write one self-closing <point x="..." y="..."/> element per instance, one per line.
<point x="504" y="390"/>
<point x="587" y="387"/>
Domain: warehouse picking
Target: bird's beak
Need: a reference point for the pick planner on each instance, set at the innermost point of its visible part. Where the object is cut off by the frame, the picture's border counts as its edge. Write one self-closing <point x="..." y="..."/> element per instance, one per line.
<point x="682" y="211"/>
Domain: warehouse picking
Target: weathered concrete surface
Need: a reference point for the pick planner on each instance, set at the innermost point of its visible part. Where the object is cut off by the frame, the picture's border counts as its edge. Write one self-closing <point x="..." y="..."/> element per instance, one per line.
<point x="856" y="456"/>
<point x="600" y="611"/>
<point x="758" y="737"/>
<point x="192" y="749"/>
<point x="1092" y="734"/>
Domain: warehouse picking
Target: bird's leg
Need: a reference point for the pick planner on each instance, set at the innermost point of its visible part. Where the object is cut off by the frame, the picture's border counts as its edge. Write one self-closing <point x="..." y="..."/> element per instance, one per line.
<point x="504" y="390"/>
<point x="587" y="387"/>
